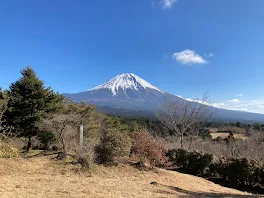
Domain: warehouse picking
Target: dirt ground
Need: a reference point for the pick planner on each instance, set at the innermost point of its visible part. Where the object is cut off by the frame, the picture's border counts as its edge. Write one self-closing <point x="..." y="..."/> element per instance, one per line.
<point x="43" y="177"/>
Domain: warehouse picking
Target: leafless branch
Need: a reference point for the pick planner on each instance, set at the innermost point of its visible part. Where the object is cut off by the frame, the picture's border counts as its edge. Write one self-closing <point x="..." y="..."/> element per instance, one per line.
<point x="185" y="118"/>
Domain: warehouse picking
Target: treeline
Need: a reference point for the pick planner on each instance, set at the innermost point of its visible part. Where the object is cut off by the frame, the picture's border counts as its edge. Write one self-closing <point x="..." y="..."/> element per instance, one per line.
<point x="254" y="126"/>
<point x="152" y="125"/>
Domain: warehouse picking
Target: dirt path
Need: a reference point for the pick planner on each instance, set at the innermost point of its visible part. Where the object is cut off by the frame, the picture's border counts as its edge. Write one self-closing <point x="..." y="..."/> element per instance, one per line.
<point x="40" y="177"/>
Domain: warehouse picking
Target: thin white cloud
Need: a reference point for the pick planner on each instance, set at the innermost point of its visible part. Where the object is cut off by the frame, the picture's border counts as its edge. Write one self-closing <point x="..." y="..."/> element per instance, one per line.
<point x="218" y="105"/>
<point x="239" y="95"/>
<point x="238" y="109"/>
<point x="209" y="55"/>
<point x="234" y="100"/>
<point x="260" y="106"/>
<point x="254" y="106"/>
<point x="188" y="57"/>
<point x="168" y="3"/>
<point x="197" y="100"/>
<point x="246" y="109"/>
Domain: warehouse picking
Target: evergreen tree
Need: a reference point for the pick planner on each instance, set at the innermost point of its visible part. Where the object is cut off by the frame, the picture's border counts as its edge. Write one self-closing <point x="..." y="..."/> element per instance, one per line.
<point x="3" y="106"/>
<point x="30" y="101"/>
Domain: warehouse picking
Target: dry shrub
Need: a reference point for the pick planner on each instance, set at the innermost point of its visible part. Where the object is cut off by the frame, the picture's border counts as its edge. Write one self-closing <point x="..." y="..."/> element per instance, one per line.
<point x="147" y="149"/>
<point x="86" y="155"/>
<point x="7" y="150"/>
<point x="113" y="144"/>
<point x="251" y="148"/>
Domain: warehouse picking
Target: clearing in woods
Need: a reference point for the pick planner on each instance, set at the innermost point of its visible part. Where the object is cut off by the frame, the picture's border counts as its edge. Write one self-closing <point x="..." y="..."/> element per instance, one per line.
<point x="225" y="134"/>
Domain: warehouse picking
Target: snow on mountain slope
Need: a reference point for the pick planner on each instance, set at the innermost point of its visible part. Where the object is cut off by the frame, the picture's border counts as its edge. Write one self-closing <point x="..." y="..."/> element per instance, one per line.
<point x="130" y="95"/>
<point x="124" y="82"/>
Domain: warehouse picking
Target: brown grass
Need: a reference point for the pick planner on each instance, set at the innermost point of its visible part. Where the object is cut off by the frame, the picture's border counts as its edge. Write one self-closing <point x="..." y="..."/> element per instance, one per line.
<point x="8" y="150"/>
<point x="224" y="135"/>
<point x="42" y="177"/>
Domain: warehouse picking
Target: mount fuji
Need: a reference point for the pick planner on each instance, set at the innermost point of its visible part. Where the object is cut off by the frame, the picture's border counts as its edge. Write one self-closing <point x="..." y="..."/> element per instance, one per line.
<point x="129" y="95"/>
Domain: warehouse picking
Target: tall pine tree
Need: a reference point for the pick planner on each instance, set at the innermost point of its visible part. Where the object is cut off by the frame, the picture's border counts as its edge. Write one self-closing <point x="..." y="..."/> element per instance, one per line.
<point x="29" y="101"/>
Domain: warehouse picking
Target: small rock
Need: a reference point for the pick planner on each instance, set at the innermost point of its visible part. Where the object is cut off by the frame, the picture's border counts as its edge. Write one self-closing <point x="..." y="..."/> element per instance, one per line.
<point x="154" y="183"/>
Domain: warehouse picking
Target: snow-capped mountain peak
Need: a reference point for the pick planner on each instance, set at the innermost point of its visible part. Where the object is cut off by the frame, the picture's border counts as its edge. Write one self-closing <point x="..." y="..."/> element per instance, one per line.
<point x="126" y="81"/>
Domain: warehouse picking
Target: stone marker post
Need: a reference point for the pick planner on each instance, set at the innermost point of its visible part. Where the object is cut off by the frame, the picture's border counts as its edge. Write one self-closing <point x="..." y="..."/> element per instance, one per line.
<point x="80" y="135"/>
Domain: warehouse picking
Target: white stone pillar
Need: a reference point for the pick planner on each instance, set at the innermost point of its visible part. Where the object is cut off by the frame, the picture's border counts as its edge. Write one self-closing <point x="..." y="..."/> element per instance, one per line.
<point x="80" y="135"/>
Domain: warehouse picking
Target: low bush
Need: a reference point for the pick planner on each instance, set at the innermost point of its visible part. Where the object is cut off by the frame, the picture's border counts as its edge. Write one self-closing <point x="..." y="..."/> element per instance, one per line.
<point x="7" y="150"/>
<point x="259" y="174"/>
<point x="197" y="162"/>
<point x="178" y="157"/>
<point x="234" y="172"/>
<point x="241" y="172"/>
<point x="147" y="149"/>
<point x="190" y="162"/>
<point x="205" y="134"/>
<point x="113" y="144"/>
<point x="219" y="139"/>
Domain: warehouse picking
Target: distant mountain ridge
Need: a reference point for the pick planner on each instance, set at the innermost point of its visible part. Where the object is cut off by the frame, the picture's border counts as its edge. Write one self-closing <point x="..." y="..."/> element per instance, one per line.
<point x="129" y="95"/>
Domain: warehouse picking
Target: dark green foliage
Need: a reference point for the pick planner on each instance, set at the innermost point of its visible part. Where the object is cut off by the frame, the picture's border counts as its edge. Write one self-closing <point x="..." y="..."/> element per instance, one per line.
<point x="205" y="134"/>
<point x="46" y="138"/>
<point x="257" y="126"/>
<point x="230" y="138"/>
<point x="154" y="126"/>
<point x="219" y="139"/>
<point x="235" y="172"/>
<point x="191" y="162"/>
<point x="115" y="122"/>
<point x="178" y="157"/>
<point x="3" y="101"/>
<point x="241" y="172"/>
<point x="3" y="107"/>
<point x="113" y="144"/>
<point x="259" y="174"/>
<point x="29" y="101"/>
<point x="197" y="162"/>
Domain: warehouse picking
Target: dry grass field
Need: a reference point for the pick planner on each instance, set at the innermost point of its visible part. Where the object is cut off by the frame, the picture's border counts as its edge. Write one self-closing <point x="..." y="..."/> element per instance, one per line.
<point x="43" y="177"/>
<point x="224" y="135"/>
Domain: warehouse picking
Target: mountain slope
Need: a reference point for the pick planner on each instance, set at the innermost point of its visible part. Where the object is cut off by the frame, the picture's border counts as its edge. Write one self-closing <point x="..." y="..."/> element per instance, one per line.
<point x="123" y="91"/>
<point x="130" y="95"/>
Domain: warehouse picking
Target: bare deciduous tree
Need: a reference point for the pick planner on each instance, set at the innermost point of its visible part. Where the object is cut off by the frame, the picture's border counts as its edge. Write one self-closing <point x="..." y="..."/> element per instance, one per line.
<point x="64" y="125"/>
<point x="185" y="118"/>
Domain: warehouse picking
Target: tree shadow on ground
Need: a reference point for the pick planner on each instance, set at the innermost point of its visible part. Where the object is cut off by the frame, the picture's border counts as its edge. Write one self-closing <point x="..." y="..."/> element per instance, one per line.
<point x="38" y="154"/>
<point x="191" y="194"/>
<point x="257" y="189"/>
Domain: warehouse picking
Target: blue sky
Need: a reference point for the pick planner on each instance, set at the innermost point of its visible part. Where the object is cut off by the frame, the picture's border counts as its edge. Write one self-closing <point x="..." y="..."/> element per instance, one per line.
<point x="185" y="47"/>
